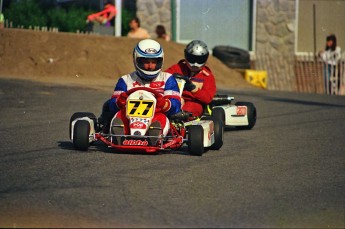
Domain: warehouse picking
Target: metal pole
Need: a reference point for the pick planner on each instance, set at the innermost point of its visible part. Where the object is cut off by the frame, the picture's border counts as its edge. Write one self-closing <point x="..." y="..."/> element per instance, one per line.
<point x="314" y="28"/>
<point x="118" y="21"/>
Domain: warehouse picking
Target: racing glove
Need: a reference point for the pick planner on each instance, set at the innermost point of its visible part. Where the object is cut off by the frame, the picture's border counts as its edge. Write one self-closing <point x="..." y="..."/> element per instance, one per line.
<point x="189" y="85"/>
<point x="163" y="104"/>
<point x="121" y="100"/>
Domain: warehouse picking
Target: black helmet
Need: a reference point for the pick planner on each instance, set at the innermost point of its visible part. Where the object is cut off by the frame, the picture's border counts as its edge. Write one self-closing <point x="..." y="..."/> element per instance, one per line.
<point x="196" y="54"/>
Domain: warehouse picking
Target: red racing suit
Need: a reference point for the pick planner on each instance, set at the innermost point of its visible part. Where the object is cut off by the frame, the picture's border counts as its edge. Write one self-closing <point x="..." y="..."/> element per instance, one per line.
<point x="206" y="84"/>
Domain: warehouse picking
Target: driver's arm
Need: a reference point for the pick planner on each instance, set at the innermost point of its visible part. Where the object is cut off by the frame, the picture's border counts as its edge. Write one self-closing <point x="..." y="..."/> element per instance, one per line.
<point x="120" y="87"/>
<point x="172" y="92"/>
<point x="206" y="91"/>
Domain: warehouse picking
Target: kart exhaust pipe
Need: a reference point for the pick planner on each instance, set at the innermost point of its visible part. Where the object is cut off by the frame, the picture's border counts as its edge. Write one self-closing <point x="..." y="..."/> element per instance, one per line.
<point x="221" y="100"/>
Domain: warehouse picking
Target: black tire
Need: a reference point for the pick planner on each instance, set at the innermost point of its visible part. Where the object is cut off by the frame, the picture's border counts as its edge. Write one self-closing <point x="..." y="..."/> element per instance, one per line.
<point x="81" y="133"/>
<point x="195" y="140"/>
<point x="232" y="57"/>
<point x="80" y="115"/>
<point x="218" y="134"/>
<point x="251" y="113"/>
<point x="218" y="128"/>
<point x="218" y="113"/>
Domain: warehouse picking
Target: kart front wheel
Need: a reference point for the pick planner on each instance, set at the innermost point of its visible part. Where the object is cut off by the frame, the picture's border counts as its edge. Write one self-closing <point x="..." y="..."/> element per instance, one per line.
<point x="251" y="113"/>
<point x="81" y="134"/>
<point x="81" y="115"/>
<point x="196" y="140"/>
<point x="218" y="134"/>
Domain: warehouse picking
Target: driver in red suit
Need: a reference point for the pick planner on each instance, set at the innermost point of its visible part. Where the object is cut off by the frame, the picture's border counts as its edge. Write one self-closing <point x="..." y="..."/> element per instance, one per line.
<point x="201" y="87"/>
<point x="148" y="59"/>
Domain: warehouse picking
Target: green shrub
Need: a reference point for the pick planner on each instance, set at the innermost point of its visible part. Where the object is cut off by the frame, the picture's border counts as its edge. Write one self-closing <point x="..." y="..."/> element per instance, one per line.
<point x="25" y="13"/>
<point x="127" y="15"/>
<point x="69" y="20"/>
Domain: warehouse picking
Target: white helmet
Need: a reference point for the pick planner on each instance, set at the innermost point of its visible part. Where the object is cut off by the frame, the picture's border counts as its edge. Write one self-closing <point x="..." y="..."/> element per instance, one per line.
<point x="196" y="54"/>
<point x="148" y="49"/>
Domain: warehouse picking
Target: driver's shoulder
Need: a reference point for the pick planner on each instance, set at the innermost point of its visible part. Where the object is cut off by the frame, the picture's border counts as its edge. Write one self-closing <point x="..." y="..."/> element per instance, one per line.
<point x="164" y="75"/>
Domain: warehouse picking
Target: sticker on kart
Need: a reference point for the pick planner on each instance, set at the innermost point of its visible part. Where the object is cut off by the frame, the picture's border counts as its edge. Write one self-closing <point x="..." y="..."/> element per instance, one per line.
<point x="241" y="110"/>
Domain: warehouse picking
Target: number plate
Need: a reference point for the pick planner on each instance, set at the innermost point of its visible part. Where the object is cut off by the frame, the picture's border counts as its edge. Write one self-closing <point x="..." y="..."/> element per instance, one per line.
<point x="140" y="108"/>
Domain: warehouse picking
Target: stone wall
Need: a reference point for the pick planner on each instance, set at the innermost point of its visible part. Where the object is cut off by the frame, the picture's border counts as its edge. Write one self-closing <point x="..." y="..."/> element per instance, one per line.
<point x="154" y="12"/>
<point x="275" y="42"/>
<point x="275" y="27"/>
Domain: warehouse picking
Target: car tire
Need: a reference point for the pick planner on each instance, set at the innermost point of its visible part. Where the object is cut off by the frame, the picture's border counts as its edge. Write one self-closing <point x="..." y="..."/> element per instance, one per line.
<point x="81" y="115"/>
<point x="196" y="140"/>
<point x="81" y="133"/>
<point x="218" y="126"/>
<point x="251" y="113"/>
<point x="218" y="113"/>
<point x="232" y="57"/>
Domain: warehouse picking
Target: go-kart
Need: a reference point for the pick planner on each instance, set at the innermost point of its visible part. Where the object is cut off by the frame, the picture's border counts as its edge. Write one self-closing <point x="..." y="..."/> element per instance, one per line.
<point x="241" y="115"/>
<point x="205" y="133"/>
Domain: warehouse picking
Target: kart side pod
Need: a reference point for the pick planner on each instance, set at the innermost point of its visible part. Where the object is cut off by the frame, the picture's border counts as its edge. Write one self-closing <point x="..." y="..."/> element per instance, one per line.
<point x="92" y="128"/>
<point x="208" y="128"/>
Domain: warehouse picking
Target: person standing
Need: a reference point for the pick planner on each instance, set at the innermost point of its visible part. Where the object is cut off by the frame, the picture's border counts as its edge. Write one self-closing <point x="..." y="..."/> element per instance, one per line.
<point x="161" y="33"/>
<point x="104" y="17"/>
<point x="136" y="31"/>
<point x="331" y="57"/>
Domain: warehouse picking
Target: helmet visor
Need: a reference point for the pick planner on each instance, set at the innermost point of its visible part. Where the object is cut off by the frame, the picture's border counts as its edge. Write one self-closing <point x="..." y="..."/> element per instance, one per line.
<point x="196" y="59"/>
<point x="149" y="64"/>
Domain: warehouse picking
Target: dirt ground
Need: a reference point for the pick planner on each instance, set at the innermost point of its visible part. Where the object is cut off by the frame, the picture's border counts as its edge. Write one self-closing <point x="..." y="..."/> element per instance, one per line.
<point x="86" y="60"/>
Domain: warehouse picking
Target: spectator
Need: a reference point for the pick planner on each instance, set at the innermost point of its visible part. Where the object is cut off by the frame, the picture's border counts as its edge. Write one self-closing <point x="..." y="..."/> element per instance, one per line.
<point x="136" y="31"/>
<point x="331" y="57"/>
<point x="161" y="33"/>
<point x="104" y="17"/>
<point x="202" y="86"/>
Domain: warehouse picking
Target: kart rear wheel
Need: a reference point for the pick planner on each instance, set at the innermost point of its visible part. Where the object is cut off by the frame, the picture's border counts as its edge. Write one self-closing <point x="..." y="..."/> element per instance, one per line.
<point x="81" y="115"/>
<point x="81" y="134"/>
<point x="218" y="113"/>
<point x="196" y="140"/>
<point x="251" y="113"/>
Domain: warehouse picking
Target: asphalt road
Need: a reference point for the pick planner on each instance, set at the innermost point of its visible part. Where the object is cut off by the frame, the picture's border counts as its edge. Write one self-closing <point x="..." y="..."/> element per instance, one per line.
<point x="288" y="171"/>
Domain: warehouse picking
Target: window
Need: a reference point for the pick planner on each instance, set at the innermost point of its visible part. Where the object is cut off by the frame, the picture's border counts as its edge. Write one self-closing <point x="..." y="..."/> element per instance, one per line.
<point x="217" y="22"/>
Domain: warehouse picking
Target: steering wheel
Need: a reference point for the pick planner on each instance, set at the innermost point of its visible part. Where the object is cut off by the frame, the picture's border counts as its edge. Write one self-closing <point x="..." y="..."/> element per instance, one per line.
<point x="153" y="91"/>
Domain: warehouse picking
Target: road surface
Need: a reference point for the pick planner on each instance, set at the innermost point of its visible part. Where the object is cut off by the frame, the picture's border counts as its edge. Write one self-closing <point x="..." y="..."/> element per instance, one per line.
<point x="288" y="171"/>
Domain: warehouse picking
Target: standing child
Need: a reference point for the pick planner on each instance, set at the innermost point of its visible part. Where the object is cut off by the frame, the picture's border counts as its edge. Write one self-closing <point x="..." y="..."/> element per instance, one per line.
<point x="331" y="57"/>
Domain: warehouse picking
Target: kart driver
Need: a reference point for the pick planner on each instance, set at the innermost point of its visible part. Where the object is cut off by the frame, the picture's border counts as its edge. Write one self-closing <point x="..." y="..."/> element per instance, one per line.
<point x="148" y="59"/>
<point x="200" y="89"/>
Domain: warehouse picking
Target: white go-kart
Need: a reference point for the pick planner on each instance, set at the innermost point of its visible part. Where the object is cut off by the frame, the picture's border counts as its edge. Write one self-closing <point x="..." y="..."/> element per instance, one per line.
<point x="241" y="115"/>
